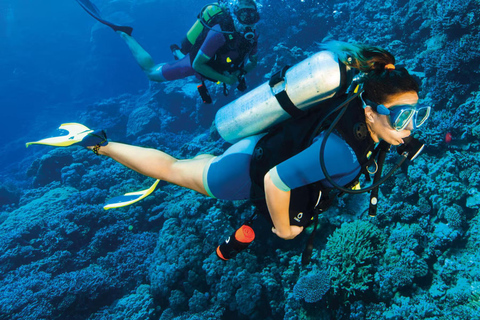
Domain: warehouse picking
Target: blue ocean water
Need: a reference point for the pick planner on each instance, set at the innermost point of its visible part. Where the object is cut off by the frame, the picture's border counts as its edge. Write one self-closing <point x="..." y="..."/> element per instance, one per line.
<point x="56" y="59"/>
<point x="63" y="257"/>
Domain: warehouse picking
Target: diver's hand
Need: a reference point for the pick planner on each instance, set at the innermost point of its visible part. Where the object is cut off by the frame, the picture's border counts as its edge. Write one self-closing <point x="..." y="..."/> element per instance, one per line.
<point x="294" y="231"/>
<point x="231" y="78"/>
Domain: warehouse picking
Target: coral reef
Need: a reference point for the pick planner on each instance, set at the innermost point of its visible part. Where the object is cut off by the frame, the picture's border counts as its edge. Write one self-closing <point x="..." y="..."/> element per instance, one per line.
<point x="312" y="287"/>
<point x="63" y="257"/>
<point x="349" y="254"/>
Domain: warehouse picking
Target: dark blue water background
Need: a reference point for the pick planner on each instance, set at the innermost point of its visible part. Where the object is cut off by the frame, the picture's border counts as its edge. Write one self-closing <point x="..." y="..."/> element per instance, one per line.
<point x="55" y="59"/>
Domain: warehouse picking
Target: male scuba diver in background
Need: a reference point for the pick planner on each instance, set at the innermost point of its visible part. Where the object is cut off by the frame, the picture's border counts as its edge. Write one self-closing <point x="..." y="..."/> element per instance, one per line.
<point x="221" y="46"/>
<point x="289" y="170"/>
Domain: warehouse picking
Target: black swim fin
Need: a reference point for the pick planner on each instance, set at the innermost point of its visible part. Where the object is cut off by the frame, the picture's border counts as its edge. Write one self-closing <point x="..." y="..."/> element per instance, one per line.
<point x="94" y="12"/>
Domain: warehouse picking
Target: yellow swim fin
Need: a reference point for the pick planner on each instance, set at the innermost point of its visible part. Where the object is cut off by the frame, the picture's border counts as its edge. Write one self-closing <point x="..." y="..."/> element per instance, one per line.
<point x="129" y="198"/>
<point x="76" y="133"/>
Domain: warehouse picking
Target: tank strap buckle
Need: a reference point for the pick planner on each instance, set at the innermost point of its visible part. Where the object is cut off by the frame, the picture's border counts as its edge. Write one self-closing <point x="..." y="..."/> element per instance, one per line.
<point x="278" y="85"/>
<point x="278" y="77"/>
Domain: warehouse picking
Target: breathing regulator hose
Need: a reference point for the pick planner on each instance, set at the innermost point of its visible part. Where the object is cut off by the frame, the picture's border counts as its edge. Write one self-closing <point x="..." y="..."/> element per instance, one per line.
<point x="204" y="23"/>
<point x="405" y="151"/>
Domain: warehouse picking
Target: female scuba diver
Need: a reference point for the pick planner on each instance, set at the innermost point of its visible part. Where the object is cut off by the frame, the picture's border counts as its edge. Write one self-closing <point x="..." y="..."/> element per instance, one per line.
<point x="223" y="52"/>
<point x="280" y="168"/>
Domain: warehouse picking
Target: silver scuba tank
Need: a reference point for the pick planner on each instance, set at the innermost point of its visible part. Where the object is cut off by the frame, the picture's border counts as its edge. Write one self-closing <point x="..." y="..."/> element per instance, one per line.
<point x="287" y="94"/>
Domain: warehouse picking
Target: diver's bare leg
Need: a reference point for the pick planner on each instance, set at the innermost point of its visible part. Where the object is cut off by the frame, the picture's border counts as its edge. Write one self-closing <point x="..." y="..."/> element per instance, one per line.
<point x="159" y="165"/>
<point x="143" y="58"/>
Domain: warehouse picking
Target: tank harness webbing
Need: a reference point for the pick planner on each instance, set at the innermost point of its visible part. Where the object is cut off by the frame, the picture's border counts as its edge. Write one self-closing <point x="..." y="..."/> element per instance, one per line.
<point x="328" y="195"/>
<point x="282" y="96"/>
<point x="277" y="84"/>
<point x="382" y="149"/>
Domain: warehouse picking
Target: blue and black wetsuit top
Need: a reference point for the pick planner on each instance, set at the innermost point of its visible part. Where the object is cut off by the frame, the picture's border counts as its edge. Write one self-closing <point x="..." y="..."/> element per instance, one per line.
<point x="294" y="144"/>
<point x="225" y="55"/>
<point x="291" y="154"/>
<point x="227" y="51"/>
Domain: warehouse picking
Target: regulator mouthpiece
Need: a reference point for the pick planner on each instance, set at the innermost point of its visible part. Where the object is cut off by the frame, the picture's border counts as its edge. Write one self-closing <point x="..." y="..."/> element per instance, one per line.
<point x="249" y="34"/>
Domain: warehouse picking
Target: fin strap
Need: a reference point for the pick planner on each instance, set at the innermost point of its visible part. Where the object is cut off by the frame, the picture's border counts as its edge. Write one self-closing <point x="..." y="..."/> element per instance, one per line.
<point x="95" y="149"/>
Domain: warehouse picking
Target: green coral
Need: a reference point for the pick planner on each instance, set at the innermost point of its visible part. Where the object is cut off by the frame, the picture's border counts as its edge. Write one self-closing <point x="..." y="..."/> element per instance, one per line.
<point x="475" y="295"/>
<point x="349" y="253"/>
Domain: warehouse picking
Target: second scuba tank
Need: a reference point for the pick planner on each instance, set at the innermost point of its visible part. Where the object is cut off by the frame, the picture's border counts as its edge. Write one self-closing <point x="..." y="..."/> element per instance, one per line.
<point x="208" y="16"/>
<point x="288" y="94"/>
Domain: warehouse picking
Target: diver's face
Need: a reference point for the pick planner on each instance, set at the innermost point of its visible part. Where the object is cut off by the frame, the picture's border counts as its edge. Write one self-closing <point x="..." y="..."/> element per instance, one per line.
<point x="245" y="17"/>
<point x="246" y="14"/>
<point x="379" y="125"/>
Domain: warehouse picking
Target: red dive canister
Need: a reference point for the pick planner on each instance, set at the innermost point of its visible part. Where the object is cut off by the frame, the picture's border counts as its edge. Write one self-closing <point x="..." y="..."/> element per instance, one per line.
<point x="203" y="91"/>
<point x="237" y="242"/>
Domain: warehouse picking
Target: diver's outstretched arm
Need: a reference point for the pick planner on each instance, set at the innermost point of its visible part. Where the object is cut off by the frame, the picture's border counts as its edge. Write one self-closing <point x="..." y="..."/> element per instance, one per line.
<point x="143" y="58"/>
<point x="200" y="65"/>
<point x="159" y="165"/>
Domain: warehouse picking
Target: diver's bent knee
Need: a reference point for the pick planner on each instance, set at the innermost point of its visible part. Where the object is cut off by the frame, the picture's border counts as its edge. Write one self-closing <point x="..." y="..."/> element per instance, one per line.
<point x="155" y="78"/>
<point x="155" y="74"/>
<point x="203" y="156"/>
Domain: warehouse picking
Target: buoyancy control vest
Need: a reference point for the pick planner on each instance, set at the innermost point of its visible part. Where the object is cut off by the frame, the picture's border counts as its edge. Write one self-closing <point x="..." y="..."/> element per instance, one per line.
<point x="295" y="135"/>
<point x="234" y="42"/>
<point x="232" y="55"/>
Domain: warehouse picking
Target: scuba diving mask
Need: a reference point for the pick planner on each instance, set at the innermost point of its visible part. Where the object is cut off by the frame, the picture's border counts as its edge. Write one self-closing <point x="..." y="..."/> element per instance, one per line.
<point x="247" y="15"/>
<point x="401" y="115"/>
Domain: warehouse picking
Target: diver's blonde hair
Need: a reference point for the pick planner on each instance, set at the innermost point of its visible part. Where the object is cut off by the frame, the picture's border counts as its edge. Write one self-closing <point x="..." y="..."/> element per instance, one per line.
<point x="381" y="78"/>
<point x="363" y="57"/>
